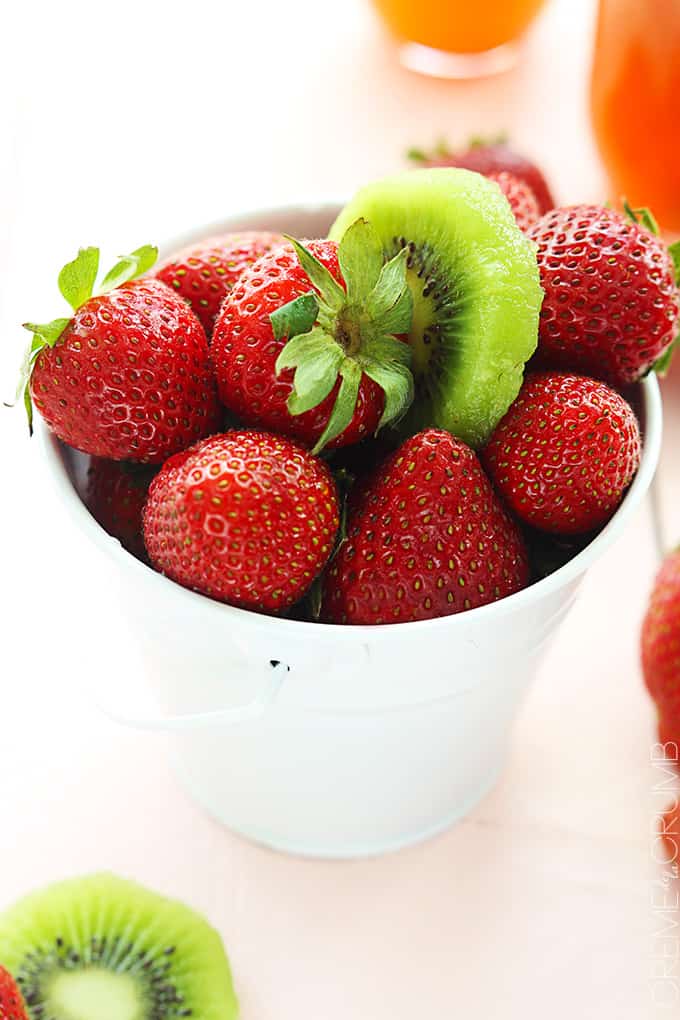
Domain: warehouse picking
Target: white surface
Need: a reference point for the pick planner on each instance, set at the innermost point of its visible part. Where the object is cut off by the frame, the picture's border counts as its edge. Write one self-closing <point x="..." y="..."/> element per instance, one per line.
<point x="132" y="122"/>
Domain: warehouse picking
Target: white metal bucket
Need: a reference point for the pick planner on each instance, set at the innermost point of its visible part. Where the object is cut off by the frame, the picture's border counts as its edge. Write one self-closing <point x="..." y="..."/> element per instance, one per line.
<point x="327" y="740"/>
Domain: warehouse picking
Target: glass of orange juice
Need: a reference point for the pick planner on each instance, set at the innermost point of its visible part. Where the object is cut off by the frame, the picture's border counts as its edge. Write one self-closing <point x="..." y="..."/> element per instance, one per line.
<point x="635" y="99"/>
<point x="458" y="38"/>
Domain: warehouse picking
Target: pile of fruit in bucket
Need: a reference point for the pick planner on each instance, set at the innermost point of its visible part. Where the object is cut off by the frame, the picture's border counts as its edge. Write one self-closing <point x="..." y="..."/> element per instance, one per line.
<point x="421" y="414"/>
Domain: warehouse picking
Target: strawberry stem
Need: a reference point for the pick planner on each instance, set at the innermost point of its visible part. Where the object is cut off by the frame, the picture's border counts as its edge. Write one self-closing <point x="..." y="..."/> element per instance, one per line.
<point x="348" y="332"/>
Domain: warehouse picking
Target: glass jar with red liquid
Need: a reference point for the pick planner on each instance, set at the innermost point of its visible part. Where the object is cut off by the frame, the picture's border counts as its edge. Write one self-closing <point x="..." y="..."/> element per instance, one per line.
<point x="635" y="100"/>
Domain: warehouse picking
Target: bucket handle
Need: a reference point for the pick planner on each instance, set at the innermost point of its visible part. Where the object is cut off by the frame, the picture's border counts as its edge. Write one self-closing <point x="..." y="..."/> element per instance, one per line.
<point x="254" y="709"/>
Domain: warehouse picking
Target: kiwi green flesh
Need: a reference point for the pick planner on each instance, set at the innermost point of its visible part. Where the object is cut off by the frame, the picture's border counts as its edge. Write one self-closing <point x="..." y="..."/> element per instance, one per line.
<point x="101" y="948"/>
<point x="476" y="290"/>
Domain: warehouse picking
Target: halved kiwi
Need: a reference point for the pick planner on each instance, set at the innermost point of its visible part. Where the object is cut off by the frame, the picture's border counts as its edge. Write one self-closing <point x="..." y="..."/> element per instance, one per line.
<point x="475" y="285"/>
<point x="101" y="948"/>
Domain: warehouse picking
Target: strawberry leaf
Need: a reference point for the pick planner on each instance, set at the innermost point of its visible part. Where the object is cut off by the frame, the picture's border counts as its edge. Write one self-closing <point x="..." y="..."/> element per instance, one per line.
<point x="388" y="294"/>
<point x="28" y="407"/>
<point x="314" y="380"/>
<point x="396" y="382"/>
<point x="642" y="215"/>
<point x="316" y="359"/>
<point x="77" y="278"/>
<point x="488" y="141"/>
<point x="123" y="271"/>
<point x="397" y="319"/>
<point x="299" y="401"/>
<point x="298" y="316"/>
<point x="49" y="332"/>
<point x="663" y="363"/>
<point x="146" y="257"/>
<point x="343" y="409"/>
<point x="328" y="287"/>
<point x="305" y="345"/>
<point x="129" y="267"/>
<point x="388" y="349"/>
<point x="45" y="335"/>
<point x="674" y="252"/>
<point x="361" y="259"/>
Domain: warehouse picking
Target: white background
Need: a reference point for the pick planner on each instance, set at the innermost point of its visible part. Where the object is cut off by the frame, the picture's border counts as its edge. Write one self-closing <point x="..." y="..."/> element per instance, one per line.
<point x="134" y="122"/>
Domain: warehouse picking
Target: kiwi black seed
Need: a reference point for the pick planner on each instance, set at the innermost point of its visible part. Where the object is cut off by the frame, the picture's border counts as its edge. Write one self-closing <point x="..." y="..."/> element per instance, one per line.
<point x="102" y="948"/>
<point x="476" y="293"/>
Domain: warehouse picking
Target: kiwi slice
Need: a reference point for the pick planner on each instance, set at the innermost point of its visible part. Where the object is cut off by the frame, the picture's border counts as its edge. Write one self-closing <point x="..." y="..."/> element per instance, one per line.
<point x="476" y="293"/>
<point x="101" y="948"/>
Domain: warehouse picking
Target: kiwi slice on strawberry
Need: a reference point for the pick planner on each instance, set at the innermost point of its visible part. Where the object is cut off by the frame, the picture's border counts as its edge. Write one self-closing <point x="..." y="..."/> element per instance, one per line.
<point x="102" y="948"/>
<point x="476" y="293"/>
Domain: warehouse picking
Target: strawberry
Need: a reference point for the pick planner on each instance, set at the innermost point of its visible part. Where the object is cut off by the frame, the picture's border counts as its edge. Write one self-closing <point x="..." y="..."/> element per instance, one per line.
<point x="11" y="1002"/>
<point x="669" y="731"/>
<point x="425" y="537"/>
<point x="489" y="158"/>
<point x="245" y="517"/>
<point x="669" y="831"/>
<point x="565" y="452"/>
<point x="127" y="377"/>
<point x="521" y="198"/>
<point x="204" y="273"/>
<point x="611" y="302"/>
<point x="305" y="344"/>
<point x="115" y="494"/>
<point x="660" y="645"/>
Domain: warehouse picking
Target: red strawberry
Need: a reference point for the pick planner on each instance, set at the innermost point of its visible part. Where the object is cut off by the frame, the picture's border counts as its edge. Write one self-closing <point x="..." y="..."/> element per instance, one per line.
<point x="426" y="537"/>
<point x="611" y="303"/>
<point x="307" y="349"/>
<point x="661" y="649"/>
<point x="669" y="732"/>
<point x="669" y="830"/>
<point x="490" y="158"/>
<point x="520" y="196"/>
<point x="11" y="1002"/>
<point x="245" y="517"/>
<point x="115" y="494"/>
<point x="204" y="273"/>
<point x="565" y="452"/>
<point x="128" y="376"/>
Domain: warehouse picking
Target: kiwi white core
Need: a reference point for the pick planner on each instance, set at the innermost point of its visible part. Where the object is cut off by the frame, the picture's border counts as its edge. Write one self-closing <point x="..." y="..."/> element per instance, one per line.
<point x="94" y="994"/>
